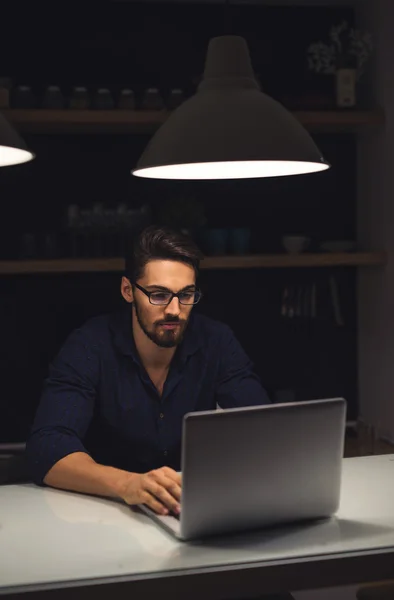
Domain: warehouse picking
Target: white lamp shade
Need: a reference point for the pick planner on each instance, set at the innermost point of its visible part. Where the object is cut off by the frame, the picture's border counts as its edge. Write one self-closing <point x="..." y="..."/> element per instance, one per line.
<point x="229" y="129"/>
<point x="13" y="150"/>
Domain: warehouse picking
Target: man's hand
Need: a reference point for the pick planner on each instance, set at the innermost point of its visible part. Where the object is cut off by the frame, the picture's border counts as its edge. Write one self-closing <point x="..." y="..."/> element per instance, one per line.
<point x="160" y="490"/>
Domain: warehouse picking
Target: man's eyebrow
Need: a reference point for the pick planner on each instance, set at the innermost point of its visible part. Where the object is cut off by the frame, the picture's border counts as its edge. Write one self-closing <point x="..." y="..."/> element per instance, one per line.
<point x="157" y="287"/>
<point x="161" y="288"/>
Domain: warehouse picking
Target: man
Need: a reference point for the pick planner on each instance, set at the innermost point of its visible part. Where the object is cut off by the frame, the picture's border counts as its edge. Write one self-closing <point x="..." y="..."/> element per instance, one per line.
<point x="110" y="417"/>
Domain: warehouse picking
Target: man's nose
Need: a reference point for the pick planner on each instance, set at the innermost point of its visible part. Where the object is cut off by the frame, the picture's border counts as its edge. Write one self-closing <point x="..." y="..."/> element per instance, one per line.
<point x="173" y="308"/>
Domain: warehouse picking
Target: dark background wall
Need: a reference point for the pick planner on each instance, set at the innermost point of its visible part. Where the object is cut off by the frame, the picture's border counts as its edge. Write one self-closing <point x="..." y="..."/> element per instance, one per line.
<point x="116" y="45"/>
<point x="149" y="43"/>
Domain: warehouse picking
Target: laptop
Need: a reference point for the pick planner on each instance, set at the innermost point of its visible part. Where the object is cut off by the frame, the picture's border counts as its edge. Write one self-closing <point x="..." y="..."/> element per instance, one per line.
<point x="257" y="467"/>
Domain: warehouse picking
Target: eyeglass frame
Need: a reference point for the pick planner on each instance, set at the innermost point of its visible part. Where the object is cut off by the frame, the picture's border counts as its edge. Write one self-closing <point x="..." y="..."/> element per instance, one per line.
<point x="173" y="295"/>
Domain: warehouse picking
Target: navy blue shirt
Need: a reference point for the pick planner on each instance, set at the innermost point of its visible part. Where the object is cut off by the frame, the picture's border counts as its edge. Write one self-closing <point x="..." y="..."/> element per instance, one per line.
<point x="99" y="399"/>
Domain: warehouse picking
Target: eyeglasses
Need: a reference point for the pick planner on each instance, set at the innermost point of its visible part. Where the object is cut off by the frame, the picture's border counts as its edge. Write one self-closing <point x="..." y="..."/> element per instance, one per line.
<point x="164" y="298"/>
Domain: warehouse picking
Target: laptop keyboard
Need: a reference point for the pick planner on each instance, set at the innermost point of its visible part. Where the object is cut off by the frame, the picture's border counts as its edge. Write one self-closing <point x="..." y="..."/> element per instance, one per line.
<point x="171" y="521"/>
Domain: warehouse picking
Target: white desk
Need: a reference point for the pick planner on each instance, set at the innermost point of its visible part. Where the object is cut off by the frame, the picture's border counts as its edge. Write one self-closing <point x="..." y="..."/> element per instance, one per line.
<point x="63" y="542"/>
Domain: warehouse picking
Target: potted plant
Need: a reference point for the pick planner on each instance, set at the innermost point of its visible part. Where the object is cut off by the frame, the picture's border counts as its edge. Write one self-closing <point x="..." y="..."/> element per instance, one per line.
<point x="344" y="57"/>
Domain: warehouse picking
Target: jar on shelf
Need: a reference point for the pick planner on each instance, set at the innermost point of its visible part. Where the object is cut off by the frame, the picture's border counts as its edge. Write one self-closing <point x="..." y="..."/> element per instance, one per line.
<point x="152" y="100"/>
<point x="126" y="99"/>
<point x="53" y="98"/>
<point x="72" y="215"/>
<point x="5" y="88"/>
<point x="28" y="246"/>
<point x="176" y="98"/>
<point x="22" y="97"/>
<point x="73" y="223"/>
<point x="79" y="99"/>
<point x="103" y="99"/>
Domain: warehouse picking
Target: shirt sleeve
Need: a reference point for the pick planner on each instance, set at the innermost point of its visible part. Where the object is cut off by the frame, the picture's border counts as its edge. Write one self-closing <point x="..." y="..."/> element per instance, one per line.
<point x="66" y="406"/>
<point x="237" y="384"/>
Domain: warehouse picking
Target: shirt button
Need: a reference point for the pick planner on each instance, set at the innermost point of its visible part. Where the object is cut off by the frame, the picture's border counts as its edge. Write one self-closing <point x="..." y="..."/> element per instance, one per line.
<point x="165" y="452"/>
<point x="161" y="416"/>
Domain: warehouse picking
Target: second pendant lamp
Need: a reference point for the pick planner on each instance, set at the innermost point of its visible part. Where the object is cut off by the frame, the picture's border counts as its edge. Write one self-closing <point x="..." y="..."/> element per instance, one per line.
<point x="229" y="129"/>
<point x="13" y="150"/>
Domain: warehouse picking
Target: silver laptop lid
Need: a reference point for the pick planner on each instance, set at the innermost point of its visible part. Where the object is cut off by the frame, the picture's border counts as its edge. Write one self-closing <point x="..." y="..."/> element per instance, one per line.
<point x="252" y="467"/>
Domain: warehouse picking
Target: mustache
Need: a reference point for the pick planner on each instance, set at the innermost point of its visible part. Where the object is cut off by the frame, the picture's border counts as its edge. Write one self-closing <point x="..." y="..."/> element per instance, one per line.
<point x="170" y="319"/>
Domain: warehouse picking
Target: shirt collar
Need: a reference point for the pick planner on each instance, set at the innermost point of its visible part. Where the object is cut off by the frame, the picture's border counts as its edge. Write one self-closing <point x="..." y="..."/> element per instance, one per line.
<point x="121" y="328"/>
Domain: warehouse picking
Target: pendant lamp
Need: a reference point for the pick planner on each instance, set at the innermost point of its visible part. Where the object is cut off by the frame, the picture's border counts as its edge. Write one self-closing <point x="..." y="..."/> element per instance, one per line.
<point x="229" y="129"/>
<point x="13" y="150"/>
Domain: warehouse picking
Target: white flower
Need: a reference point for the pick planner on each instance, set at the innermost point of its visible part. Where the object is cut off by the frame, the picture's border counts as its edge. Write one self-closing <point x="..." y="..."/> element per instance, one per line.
<point x="335" y="35"/>
<point x="322" y="57"/>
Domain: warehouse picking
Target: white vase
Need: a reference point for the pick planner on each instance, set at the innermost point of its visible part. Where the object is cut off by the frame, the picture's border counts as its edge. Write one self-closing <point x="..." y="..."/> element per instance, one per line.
<point x="346" y="82"/>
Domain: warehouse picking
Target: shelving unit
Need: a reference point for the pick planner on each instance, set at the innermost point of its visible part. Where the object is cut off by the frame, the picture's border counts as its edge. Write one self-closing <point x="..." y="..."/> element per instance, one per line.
<point x="265" y="261"/>
<point x="140" y="121"/>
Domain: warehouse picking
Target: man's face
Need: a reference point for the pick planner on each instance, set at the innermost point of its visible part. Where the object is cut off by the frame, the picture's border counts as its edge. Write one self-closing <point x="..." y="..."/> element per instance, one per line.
<point x="164" y="325"/>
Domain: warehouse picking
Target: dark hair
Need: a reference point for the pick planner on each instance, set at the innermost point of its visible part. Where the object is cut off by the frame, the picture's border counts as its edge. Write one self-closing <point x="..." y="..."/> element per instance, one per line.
<point x="160" y="243"/>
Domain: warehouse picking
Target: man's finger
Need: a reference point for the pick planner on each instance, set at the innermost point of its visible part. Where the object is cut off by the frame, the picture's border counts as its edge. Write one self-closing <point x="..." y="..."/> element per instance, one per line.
<point x="152" y="502"/>
<point x="174" y="489"/>
<point x="171" y="485"/>
<point x="171" y="474"/>
<point x="160" y="492"/>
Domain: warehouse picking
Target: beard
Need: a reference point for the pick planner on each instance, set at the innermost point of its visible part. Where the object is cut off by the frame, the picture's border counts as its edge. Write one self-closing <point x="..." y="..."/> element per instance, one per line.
<point x="159" y="336"/>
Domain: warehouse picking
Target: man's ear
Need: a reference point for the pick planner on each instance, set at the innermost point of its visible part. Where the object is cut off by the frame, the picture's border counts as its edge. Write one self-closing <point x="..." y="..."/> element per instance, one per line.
<point x="126" y="289"/>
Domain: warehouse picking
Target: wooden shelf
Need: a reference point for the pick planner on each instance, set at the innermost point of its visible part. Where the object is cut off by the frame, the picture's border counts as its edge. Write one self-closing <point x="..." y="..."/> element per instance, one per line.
<point x="265" y="261"/>
<point x="144" y="121"/>
<point x="341" y="120"/>
<point x="274" y="261"/>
